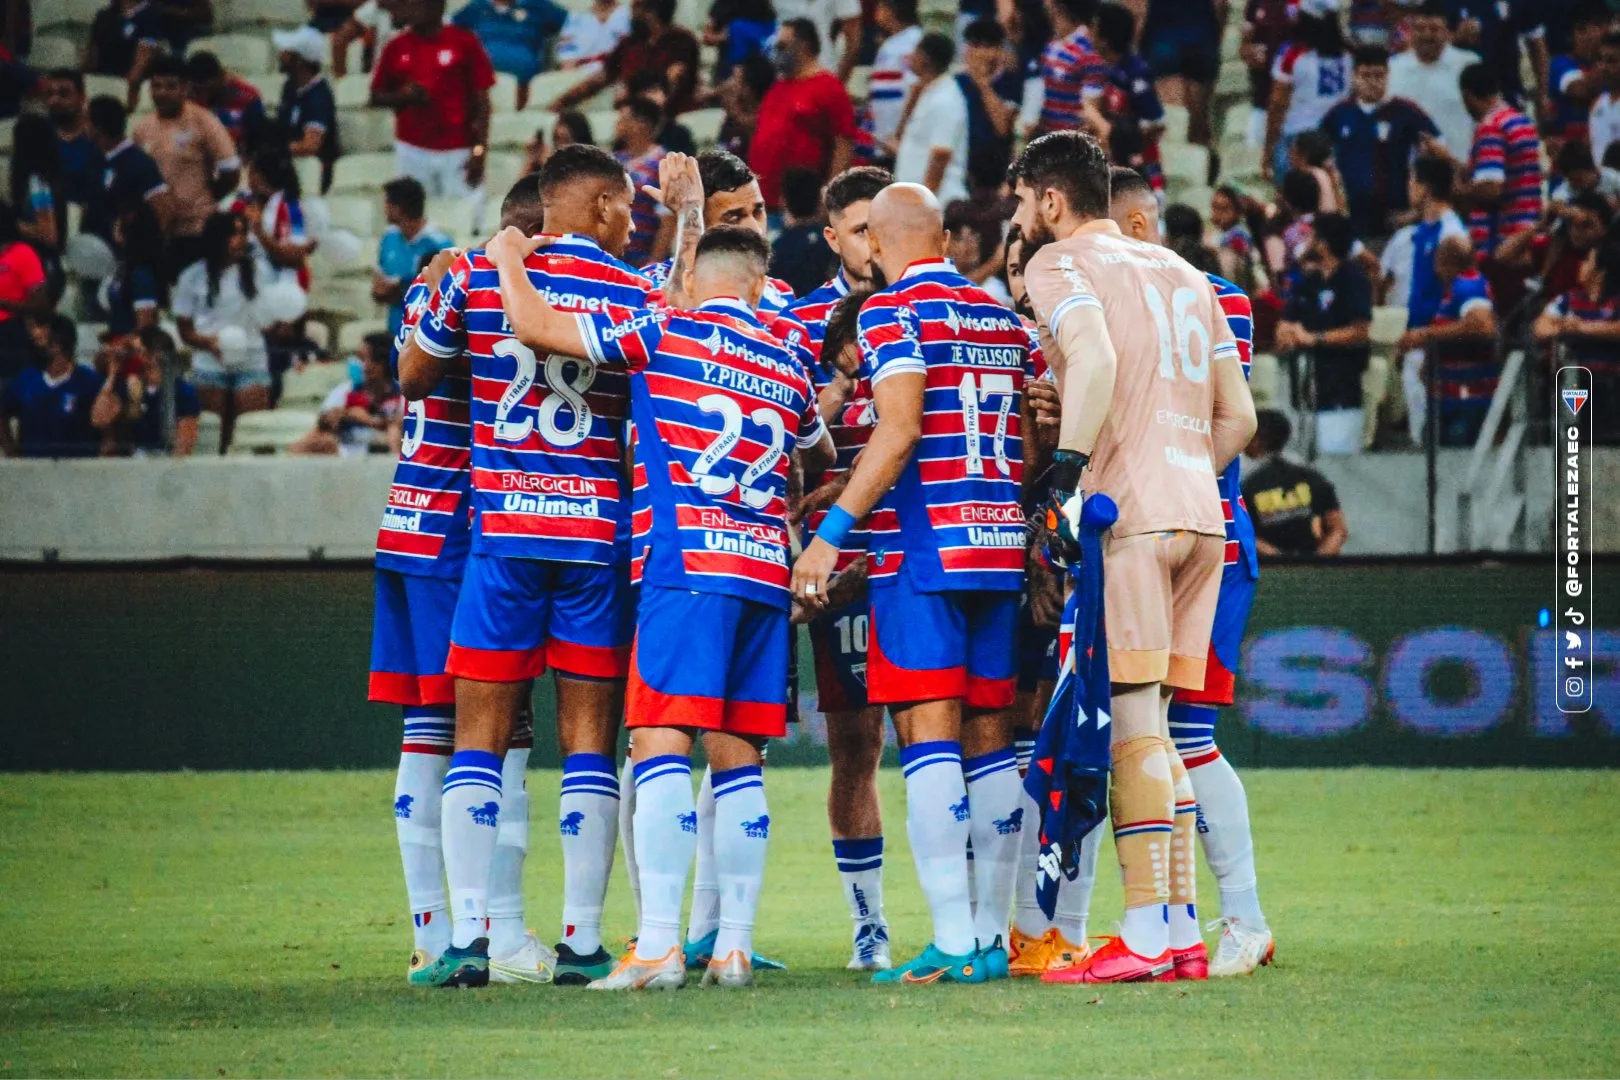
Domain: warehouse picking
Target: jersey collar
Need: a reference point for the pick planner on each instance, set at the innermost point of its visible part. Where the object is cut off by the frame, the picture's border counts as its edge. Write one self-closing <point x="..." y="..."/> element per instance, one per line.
<point x="729" y="305"/>
<point x="570" y="240"/>
<point x="928" y="266"/>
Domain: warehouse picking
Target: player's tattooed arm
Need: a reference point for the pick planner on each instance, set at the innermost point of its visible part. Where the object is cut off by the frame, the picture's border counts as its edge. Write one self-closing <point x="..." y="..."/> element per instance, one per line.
<point x="419" y="370"/>
<point x="534" y="321"/>
<point x="680" y="188"/>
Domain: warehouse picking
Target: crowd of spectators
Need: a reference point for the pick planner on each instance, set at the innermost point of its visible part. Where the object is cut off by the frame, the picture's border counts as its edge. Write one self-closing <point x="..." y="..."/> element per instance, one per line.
<point x="1458" y="161"/>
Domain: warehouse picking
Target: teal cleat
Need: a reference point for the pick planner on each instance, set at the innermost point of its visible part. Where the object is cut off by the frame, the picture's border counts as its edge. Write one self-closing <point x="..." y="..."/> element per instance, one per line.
<point x="994" y="960"/>
<point x="935" y="966"/>
<point x="456" y="967"/>
<point x="700" y="952"/>
<point x="576" y="970"/>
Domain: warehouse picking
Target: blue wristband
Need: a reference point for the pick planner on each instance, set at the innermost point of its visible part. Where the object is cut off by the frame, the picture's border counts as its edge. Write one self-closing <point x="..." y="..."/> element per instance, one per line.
<point x="835" y="526"/>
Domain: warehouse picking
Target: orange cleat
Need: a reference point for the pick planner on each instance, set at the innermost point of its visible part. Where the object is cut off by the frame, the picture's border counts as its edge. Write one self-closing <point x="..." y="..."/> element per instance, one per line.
<point x="1191" y="964"/>
<point x="1114" y="962"/>
<point x="1051" y="951"/>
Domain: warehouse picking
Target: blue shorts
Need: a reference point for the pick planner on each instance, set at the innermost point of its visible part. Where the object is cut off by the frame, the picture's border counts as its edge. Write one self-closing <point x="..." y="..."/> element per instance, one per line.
<point x="838" y="641"/>
<point x="519" y="616"/>
<point x="708" y="661"/>
<point x="229" y="380"/>
<point x="1185" y="49"/>
<point x="938" y="646"/>
<point x="1225" y="639"/>
<point x="1037" y="652"/>
<point x="410" y="639"/>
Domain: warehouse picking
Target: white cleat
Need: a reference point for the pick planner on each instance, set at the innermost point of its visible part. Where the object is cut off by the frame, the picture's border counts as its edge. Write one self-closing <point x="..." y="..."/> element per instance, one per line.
<point x="871" y="948"/>
<point x="668" y="972"/>
<point x="1242" y="948"/>
<point x="734" y="972"/>
<point x="532" y="963"/>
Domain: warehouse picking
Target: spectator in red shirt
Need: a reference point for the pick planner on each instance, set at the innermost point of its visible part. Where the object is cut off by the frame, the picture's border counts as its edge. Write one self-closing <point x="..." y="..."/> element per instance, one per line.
<point x="806" y="120"/>
<point x="436" y="79"/>
<point x="655" y="43"/>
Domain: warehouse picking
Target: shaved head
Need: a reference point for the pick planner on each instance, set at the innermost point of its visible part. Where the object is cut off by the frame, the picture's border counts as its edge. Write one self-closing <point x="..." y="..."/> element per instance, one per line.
<point x="906" y="226"/>
<point x="1454" y="255"/>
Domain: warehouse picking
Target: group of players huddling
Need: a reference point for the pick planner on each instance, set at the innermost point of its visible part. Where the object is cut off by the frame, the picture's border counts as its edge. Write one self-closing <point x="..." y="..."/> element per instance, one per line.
<point x="606" y="473"/>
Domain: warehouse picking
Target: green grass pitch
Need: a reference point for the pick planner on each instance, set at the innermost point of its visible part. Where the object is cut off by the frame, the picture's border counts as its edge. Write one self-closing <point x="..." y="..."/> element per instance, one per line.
<point x="1429" y="923"/>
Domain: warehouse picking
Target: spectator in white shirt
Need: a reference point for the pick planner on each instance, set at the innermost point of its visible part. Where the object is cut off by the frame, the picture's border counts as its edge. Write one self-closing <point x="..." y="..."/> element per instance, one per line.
<point x="891" y="81"/>
<point x="591" y="34"/>
<point x="1603" y="125"/>
<point x="1427" y="73"/>
<point x="933" y="137"/>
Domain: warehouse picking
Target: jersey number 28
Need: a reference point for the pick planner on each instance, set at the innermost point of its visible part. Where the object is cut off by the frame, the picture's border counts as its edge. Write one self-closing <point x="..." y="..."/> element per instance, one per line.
<point x="566" y="391"/>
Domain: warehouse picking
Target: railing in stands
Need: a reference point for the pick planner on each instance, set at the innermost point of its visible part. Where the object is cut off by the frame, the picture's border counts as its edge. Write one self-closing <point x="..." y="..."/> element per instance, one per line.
<point x="1495" y="480"/>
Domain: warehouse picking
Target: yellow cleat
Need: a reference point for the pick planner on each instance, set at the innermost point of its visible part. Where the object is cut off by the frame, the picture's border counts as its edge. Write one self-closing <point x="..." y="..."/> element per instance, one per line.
<point x="1065" y="953"/>
<point x="668" y="972"/>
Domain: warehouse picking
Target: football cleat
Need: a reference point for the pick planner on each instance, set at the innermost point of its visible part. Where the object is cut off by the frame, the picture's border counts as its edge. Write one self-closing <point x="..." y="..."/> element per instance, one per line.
<point x="456" y="967"/>
<point x="698" y="954"/>
<point x="532" y="963"/>
<point x="871" y="948"/>
<point x="1052" y="951"/>
<point x="1115" y="962"/>
<point x="1191" y="964"/>
<point x="994" y="960"/>
<point x="633" y="973"/>
<point x="1242" y="948"/>
<point x="420" y="959"/>
<point x="935" y="966"/>
<point x="575" y="970"/>
<point x="734" y="972"/>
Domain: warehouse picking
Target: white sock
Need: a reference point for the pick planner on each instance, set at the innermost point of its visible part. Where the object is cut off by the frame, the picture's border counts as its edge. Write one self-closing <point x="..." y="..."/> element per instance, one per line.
<point x="1073" y="908"/>
<point x="627" y="835"/>
<point x="1184" y="931"/>
<point x="705" y="918"/>
<point x="860" y="866"/>
<point x="1028" y="917"/>
<point x="666" y="828"/>
<point x="469" y="817"/>
<point x="937" y="824"/>
<point x="1146" y="930"/>
<point x="506" y="928"/>
<point x="1223" y="829"/>
<point x="430" y="734"/>
<point x="588" y="820"/>
<point x="742" y="826"/>
<point x="997" y="826"/>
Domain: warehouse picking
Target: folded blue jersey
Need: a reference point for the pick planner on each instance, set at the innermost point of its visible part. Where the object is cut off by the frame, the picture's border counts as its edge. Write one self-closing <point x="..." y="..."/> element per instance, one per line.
<point x="1068" y="775"/>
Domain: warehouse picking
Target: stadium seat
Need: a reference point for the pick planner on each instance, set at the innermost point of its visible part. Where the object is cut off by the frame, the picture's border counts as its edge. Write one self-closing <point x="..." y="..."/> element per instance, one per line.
<point x="1176" y="118"/>
<point x="1233" y="81"/>
<point x="1265" y="381"/>
<point x="64" y="13"/>
<point x="308" y="387"/>
<point x="1194" y="195"/>
<point x="271" y="430"/>
<point x="545" y="87"/>
<point x="269" y="88"/>
<point x="361" y="172"/>
<point x="231" y="14"/>
<point x="51" y="51"/>
<point x="352" y="91"/>
<point x="111" y="85"/>
<point x="705" y="126"/>
<point x="207" y="435"/>
<point x="503" y="95"/>
<point x="346" y="298"/>
<point x="366" y="131"/>
<point x="247" y="54"/>
<point x="353" y="333"/>
<point x="1185" y="161"/>
<point x="859" y="80"/>
<point x="360" y="214"/>
<point x="512" y="131"/>
<point x="7" y="127"/>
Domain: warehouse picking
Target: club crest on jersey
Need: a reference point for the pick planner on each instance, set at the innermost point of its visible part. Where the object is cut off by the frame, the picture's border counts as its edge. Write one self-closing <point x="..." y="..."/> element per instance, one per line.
<point x="569" y="824"/>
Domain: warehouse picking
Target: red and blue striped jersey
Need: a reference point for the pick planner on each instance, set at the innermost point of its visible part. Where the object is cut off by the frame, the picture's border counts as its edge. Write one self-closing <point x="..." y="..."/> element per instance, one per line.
<point x="1465" y="369"/>
<point x="777" y="297"/>
<point x="719" y="405"/>
<point x="953" y="518"/>
<point x="1072" y="72"/>
<point x="547" y="432"/>
<point x="854" y="425"/>
<point x="1595" y="353"/>
<point x="645" y="211"/>
<point x="1506" y="149"/>
<point x="1240" y="549"/>
<point x="427" y="524"/>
